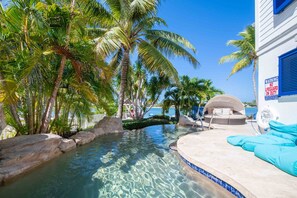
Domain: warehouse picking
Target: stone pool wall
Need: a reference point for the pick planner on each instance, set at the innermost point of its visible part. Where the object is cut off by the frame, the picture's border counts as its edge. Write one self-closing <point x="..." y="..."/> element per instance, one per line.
<point x="24" y="153"/>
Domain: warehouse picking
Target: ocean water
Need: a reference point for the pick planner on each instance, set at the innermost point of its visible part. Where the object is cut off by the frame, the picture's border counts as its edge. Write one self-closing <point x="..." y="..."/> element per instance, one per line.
<point x="158" y="111"/>
<point x="249" y="111"/>
<point x="134" y="164"/>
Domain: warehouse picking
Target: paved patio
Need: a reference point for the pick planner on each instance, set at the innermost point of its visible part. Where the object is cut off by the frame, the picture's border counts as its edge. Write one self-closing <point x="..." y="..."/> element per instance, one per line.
<point x="250" y="175"/>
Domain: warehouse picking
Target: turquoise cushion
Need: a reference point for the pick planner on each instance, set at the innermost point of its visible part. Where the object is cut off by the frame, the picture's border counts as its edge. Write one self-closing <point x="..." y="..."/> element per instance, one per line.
<point x="250" y="142"/>
<point x="280" y="127"/>
<point x="287" y="136"/>
<point x="284" y="158"/>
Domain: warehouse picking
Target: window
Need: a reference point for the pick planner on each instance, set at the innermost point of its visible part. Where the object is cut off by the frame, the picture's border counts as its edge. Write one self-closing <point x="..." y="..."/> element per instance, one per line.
<point x="280" y="5"/>
<point x="288" y="73"/>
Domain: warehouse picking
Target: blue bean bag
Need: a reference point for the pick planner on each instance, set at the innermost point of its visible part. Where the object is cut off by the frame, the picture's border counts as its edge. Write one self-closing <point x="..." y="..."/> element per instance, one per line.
<point x="279" y="134"/>
<point x="280" y="127"/>
<point x="284" y="158"/>
<point x="249" y="143"/>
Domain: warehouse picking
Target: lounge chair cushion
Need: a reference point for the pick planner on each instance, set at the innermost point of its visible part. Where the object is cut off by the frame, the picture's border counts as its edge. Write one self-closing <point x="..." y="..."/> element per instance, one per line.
<point x="249" y="143"/>
<point x="217" y="111"/>
<point x="284" y="158"/>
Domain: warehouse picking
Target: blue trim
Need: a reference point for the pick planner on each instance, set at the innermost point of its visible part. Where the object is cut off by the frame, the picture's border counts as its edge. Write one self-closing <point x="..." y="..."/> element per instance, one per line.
<point x="280" y="58"/>
<point x="215" y="179"/>
<point x="280" y="8"/>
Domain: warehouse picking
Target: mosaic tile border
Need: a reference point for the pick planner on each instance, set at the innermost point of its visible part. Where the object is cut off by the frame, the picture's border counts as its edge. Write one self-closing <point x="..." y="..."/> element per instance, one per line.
<point x="215" y="179"/>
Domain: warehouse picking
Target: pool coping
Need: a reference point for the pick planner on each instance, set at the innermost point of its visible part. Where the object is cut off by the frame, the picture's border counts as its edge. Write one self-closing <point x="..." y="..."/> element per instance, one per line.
<point x="216" y="177"/>
<point x="213" y="178"/>
<point x="209" y="154"/>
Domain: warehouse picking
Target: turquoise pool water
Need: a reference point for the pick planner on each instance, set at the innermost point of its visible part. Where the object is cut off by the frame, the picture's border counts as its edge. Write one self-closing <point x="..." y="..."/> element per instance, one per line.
<point x="134" y="164"/>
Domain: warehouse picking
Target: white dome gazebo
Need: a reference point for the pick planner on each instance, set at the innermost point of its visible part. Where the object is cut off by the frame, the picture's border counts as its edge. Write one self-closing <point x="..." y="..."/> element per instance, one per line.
<point x="225" y="109"/>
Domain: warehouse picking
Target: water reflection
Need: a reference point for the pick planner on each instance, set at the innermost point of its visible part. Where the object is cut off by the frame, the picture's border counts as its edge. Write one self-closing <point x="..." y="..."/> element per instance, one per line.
<point x="135" y="164"/>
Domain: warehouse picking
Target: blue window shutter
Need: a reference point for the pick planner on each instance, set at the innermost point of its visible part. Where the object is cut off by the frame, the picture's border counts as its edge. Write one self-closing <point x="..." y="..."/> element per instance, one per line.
<point x="280" y="5"/>
<point x="288" y="73"/>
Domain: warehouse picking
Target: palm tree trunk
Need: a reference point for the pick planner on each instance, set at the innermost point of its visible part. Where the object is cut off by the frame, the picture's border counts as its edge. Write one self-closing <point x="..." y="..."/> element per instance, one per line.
<point x="254" y="81"/>
<point x="2" y="118"/>
<point x="48" y="111"/>
<point x="30" y="112"/>
<point x="151" y="106"/>
<point x="177" y="113"/>
<point x="137" y="110"/>
<point x="125" y="65"/>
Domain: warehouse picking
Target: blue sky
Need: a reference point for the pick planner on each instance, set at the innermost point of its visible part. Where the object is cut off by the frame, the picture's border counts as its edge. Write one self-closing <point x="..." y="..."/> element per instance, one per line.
<point x="209" y="25"/>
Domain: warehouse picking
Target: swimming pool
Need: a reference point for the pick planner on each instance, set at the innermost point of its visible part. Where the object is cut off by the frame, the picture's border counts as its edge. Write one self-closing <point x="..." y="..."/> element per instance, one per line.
<point x="134" y="164"/>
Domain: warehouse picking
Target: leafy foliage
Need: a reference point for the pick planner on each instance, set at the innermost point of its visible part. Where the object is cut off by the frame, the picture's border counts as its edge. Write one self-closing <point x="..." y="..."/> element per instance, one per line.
<point x="189" y="93"/>
<point x="131" y="30"/>
<point x="139" y="124"/>
<point x="143" y="90"/>
<point x="35" y="36"/>
<point x="246" y="54"/>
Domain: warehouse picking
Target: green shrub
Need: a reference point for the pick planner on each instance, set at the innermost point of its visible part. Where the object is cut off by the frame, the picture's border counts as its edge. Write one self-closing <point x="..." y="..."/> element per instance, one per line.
<point x="139" y="124"/>
<point x="163" y="117"/>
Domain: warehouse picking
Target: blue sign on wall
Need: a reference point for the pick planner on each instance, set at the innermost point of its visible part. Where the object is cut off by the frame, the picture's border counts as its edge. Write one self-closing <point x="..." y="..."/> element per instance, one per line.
<point x="271" y="88"/>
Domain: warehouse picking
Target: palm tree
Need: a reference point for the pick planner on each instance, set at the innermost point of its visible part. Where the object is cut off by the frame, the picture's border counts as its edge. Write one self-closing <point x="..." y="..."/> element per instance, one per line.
<point x="209" y="90"/>
<point x="190" y="92"/>
<point x="172" y="98"/>
<point x="47" y="114"/>
<point x="41" y="72"/>
<point x="69" y="25"/>
<point x="143" y="89"/>
<point x="130" y="29"/>
<point x="245" y="56"/>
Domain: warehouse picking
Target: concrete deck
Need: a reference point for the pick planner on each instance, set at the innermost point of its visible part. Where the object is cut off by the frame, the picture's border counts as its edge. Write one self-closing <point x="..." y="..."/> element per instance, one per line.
<point x="250" y="175"/>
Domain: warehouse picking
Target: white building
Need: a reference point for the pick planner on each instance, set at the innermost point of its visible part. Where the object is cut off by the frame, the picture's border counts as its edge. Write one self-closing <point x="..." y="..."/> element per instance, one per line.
<point x="276" y="45"/>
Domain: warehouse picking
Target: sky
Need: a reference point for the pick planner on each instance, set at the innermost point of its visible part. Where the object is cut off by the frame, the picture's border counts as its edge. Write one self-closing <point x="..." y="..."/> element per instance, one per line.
<point x="209" y="25"/>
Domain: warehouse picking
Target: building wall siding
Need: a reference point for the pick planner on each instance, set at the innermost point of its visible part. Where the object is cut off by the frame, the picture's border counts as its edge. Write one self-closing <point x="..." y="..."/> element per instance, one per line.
<point x="270" y="26"/>
<point x="275" y="35"/>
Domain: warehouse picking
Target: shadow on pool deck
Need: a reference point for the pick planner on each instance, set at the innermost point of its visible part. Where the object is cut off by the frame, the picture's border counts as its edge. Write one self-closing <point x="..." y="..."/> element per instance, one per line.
<point x="250" y="175"/>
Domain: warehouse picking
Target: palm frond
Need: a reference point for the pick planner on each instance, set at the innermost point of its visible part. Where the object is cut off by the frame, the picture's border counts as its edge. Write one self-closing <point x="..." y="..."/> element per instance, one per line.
<point x="115" y="7"/>
<point x="155" y="60"/>
<point x="231" y="57"/>
<point x="173" y="37"/>
<point x="240" y="65"/>
<point x="111" y="41"/>
<point x="141" y="7"/>
<point x="149" y="23"/>
<point x="246" y="53"/>
<point x="170" y="48"/>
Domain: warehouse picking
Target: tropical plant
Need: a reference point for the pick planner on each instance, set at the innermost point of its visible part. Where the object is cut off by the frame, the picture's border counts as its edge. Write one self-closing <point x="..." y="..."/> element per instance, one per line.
<point x="128" y="30"/>
<point x="208" y="91"/>
<point x="48" y="67"/>
<point x="172" y="98"/>
<point x="245" y="56"/>
<point x="189" y="93"/>
<point x="143" y="90"/>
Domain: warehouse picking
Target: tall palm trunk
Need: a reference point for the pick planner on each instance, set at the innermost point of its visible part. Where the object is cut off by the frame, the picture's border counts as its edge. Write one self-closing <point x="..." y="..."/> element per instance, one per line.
<point x="254" y="81"/>
<point x="137" y="106"/>
<point x="48" y="111"/>
<point x="177" y="113"/>
<point x="2" y="118"/>
<point x="49" y="107"/>
<point x="125" y="65"/>
<point x="30" y="119"/>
